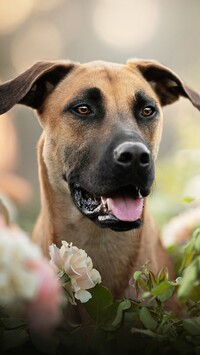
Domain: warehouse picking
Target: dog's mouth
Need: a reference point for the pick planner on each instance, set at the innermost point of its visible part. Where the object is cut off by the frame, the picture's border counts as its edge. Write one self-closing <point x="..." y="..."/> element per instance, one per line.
<point x="121" y="210"/>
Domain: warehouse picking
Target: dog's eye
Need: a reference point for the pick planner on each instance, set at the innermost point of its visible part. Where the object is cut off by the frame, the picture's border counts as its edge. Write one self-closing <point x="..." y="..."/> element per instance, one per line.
<point x="82" y="110"/>
<point x="148" y="111"/>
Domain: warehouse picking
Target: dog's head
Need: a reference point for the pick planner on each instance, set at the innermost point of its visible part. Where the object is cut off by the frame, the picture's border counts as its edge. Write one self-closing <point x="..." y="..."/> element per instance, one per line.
<point x="102" y="128"/>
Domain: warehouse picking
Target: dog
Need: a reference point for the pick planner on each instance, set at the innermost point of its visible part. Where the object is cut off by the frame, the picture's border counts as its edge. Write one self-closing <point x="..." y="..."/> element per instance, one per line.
<point x="102" y="126"/>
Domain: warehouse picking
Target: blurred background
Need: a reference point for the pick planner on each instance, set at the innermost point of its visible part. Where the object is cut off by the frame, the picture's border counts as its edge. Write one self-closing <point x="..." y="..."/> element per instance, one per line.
<point x="114" y="30"/>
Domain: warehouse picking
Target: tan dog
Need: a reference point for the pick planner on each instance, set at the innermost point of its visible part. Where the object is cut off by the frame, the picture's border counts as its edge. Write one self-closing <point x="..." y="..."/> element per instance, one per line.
<point x="102" y="129"/>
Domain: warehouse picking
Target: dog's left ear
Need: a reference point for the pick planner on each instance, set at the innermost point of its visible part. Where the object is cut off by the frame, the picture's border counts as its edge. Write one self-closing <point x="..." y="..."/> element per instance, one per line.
<point x="32" y="87"/>
<point x="167" y="84"/>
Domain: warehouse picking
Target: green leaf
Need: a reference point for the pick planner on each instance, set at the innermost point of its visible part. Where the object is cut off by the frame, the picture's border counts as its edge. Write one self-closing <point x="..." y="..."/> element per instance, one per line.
<point x="192" y="326"/>
<point x="163" y="291"/>
<point x="188" y="199"/>
<point x="149" y="333"/>
<point x="100" y="301"/>
<point x="146" y="294"/>
<point x="143" y="284"/>
<point x="197" y="240"/>
<point x="147" y="319"/>
<point x="188" y="256"/>
<point x="162" y="275"/>
<point x="123" y="306"/>
<point x="164" y="328"/>
<point x="137" y="275"/>
<point x="160" y="288"/>
<point x="191" y="249"/>
<point x="163" y="297"/>
<point x="188" y="282"/>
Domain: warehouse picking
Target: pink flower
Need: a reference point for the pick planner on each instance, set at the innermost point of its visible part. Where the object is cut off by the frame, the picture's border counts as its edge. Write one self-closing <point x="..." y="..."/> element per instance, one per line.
<point x="44" y="310"/>
<point x="28" y="283"/>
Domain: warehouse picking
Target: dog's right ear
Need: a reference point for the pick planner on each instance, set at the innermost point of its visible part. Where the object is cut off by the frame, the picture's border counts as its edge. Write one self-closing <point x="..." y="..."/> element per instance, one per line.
<point x="166" y="83"/>
<point x="33" y="86"/>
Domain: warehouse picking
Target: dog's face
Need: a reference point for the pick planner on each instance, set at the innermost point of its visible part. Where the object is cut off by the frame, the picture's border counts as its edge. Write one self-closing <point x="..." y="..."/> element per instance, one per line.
<point x="102" y="128"/>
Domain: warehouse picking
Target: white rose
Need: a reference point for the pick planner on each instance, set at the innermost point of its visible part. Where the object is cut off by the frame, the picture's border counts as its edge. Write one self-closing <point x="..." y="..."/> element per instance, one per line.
<point x="78" y="266"/>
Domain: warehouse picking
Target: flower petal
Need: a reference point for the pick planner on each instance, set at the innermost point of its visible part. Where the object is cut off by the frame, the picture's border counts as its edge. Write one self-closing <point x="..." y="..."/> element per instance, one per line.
<point x="83" y="296"/>
<point x="95" y="276"/>
<point x="54" y="252"/>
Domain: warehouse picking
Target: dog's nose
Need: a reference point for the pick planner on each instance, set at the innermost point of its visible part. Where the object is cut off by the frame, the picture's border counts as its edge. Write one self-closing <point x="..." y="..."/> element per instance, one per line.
<point x="132" y="153"/>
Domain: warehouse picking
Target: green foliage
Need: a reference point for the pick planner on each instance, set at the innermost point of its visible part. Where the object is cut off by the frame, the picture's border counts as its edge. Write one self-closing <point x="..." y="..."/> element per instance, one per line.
<point x="126" y="326"/>
<point x="172" y="176"/>
<point x="190" y="267"/>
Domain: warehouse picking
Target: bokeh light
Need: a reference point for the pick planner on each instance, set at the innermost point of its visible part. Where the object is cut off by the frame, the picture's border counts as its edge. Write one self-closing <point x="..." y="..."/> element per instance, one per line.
<point x="8" y="143"/>
<point x="10" y="20"/>
<point x="47" y="5"/>
<point x="43" y="41"/>
<point x="125" y="23"/>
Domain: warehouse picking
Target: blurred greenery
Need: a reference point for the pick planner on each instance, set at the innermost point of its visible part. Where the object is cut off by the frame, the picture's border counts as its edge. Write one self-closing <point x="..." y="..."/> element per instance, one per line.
<point x="173" y="174"/>
<point x="126" y="326"/>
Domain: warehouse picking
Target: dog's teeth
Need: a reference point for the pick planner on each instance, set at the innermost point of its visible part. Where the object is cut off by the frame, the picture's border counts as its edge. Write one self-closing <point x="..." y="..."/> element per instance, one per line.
<point x="103" y="204"/>
<point x="138" y="192"/>
<point x="103" y="200"/>
<point x="108" y="204"/>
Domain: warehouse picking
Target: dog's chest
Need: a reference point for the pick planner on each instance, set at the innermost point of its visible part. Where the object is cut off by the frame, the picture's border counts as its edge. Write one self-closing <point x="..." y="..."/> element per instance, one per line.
<point x="113" y="254"/>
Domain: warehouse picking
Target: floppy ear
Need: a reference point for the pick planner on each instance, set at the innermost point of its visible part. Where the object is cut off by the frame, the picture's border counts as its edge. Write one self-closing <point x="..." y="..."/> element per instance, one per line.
<point x="167" y="84"/>
<point x="32" y="87"/>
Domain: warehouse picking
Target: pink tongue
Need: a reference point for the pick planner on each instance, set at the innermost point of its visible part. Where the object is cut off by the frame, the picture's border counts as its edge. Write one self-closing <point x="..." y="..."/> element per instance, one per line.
<point x="126" y="208"/>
